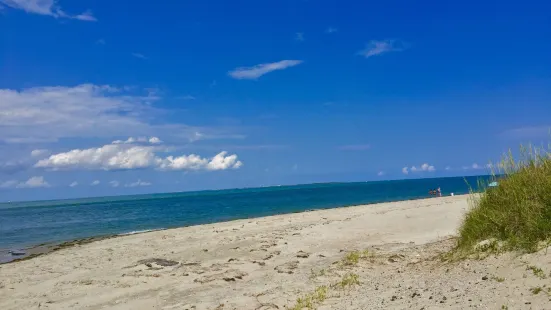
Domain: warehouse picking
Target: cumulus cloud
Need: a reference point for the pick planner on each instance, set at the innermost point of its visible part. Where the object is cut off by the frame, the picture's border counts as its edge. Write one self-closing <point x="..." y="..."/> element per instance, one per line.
<point x="46" y="7"/>
<point x="95" y="183"/>
<point x="46" y="114"/>
<point x="195" y="162"/>
<point x="423" y="168"/>
<point x="33" y="182"/>
<point x="73" y="184"/>
<point x="114" y="183"/>
<point x="375" y="48"/>
<point x="257" y="71"/>
<point x="138" y="183"/>
<point x="381" y="173"/>
<point x="427" y="167"/>
<point x="126" y="156"/>
<point x="107" y="157"/>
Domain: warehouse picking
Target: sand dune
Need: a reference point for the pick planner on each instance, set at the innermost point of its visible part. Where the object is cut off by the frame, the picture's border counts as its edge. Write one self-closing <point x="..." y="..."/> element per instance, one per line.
<point x="267" y="263"/>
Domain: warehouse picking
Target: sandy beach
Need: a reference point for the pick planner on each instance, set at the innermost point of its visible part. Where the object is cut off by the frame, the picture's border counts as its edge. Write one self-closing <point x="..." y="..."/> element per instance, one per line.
<point x="267" y="263"/>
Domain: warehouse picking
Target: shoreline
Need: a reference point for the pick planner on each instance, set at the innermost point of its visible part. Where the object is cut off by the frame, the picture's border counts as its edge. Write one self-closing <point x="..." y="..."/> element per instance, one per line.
<point x="32" y="251"/>
<point x="384" y="256"/>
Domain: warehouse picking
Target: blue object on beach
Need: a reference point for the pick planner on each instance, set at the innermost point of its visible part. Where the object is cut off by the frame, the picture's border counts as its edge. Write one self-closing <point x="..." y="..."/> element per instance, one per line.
<point x="493" y="184"/>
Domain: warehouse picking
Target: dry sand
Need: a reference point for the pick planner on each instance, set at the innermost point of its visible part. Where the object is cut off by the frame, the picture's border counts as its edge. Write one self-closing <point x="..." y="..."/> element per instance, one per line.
<point x="266" y="263"/>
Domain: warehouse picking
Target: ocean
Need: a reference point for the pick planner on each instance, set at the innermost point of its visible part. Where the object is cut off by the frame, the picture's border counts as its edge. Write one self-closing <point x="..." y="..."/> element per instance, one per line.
<point x="26" y="224"/>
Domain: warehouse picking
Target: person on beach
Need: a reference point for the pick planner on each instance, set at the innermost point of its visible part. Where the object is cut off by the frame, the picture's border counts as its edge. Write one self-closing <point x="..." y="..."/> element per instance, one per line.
<point x="439" y="192"/>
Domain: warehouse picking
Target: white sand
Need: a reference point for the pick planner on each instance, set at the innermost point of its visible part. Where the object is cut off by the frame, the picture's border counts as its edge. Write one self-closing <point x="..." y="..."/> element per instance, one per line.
<point x="253" y="264"/>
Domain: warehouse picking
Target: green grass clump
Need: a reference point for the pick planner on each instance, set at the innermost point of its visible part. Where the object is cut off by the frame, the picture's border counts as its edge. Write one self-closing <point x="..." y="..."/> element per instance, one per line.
<point x="536" y="290"/>
<point x="538" y="272"/>
<point x="352" y="258"/>
<point x="311" y="300"/>
<point x="518" y="211"/>
<point x="348" y="280"/>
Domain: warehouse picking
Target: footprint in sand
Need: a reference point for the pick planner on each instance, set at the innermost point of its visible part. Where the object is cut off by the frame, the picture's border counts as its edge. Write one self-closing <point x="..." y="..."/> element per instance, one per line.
<point x="230" y="275"/>
<point x="302" y="254"/>
<point x="288" y="267"/>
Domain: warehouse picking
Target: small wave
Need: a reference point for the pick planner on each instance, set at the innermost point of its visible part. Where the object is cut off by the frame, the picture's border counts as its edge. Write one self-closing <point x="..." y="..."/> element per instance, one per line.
<point x="139" y="231"/>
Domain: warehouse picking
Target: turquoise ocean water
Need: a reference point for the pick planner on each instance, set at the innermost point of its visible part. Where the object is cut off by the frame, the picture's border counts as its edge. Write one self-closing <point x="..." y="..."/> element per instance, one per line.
<point x="25" y="224"/>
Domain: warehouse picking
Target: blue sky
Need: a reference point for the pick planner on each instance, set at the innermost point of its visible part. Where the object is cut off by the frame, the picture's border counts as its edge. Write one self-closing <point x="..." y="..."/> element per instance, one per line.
<point x="217" y="94"/>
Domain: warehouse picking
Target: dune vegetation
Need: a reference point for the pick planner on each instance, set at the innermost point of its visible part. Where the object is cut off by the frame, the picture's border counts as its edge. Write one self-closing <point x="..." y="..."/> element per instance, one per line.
<point x="516" y="214"/>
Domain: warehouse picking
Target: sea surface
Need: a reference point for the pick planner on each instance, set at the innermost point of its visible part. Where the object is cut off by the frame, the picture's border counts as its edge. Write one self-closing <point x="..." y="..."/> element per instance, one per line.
<point x="26" y="224"/>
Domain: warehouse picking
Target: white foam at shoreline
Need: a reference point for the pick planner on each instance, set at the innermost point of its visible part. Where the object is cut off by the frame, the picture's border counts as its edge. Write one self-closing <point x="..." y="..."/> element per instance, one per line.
<point x="139" y="231"/>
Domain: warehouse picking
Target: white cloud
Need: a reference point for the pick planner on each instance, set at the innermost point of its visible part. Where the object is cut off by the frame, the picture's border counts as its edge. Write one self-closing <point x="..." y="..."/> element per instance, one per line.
<point x="114" y="183"/>
<point x="155" y="140"/>
<point x="299" y="36"/>
<point x="355" y="147"/>
<point x="138" y="55"/>
<point x="257" y="71"/>
<point x="107" y="157"/>
<point x="86" y="16"/>
<point x="423" y="168"/>
<point x="95" y="183"/>
<point x="138" y="183"/>
<point x="476" y="166"/>
<point x="41" y="152"/>
<point x="331" y="30"/>
<point x="73" y="184"/>
<point x="33" y="182"/>
<point x="186" y="97"/>
<point x="46" y="7"/>
<point x="195" y="162"/>
<point x="381" y="173"/>
<point x="46" y="114"/>
<point x="427" y="167"/>
<point x="132" y="140"/>
<point x="375" y="48"/>
<point x="448" y="168"/>
<point x="123" y="156"/>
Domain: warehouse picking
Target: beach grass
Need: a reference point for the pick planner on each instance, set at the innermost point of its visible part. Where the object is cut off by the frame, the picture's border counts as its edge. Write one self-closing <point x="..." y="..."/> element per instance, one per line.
<point x="516" y="214"/>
